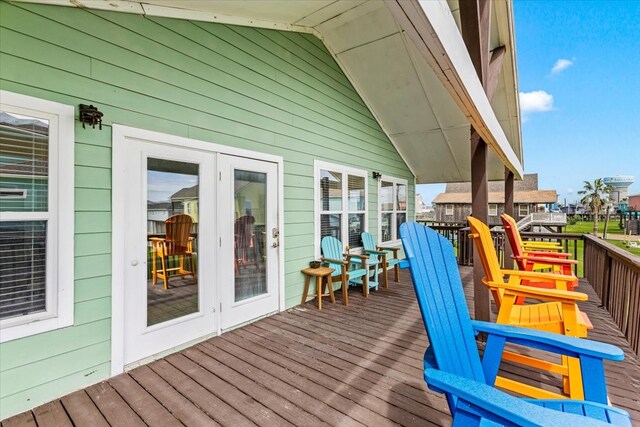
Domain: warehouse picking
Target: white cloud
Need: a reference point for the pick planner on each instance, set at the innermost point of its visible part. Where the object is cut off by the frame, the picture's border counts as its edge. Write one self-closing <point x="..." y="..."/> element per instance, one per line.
<point x="561" y="65"/>
<point x="535" y="101"/>
<point x="569" y="190"/>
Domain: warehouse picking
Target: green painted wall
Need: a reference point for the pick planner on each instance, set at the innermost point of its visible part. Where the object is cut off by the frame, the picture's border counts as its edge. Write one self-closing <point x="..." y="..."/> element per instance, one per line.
<point x="274" y="92"/>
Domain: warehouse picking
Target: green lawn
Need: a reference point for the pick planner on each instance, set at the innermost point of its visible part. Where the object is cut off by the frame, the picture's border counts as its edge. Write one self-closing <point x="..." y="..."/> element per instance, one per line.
<point x="586" y="227"/>
<point x="622" y="245"/>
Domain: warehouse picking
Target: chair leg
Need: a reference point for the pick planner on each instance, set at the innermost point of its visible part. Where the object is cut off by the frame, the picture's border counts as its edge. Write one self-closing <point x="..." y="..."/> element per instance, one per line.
<point x="154" y="268"/>
<point x="193" y="269"/>
<point x="345" y="285"/>
<point x="396" y="269"/>
<point x="163" y="263"/>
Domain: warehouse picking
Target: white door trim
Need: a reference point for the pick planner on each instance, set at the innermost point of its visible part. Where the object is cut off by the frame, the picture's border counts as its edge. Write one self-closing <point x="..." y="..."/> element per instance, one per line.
<point x="120" y="135"/>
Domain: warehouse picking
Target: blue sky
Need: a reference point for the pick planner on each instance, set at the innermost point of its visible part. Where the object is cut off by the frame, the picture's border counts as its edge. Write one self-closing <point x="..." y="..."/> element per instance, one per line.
<point x="579" y="82"/>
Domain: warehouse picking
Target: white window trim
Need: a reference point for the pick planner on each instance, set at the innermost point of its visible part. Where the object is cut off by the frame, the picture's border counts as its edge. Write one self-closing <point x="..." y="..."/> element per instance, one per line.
<point x="317" y="166"/>
<point x="395" y="181"/>
<point x="493" y="209"/>
<point x="520" y="206"/>
<point x="446" y="209"/>
<point x="60" y="217"/>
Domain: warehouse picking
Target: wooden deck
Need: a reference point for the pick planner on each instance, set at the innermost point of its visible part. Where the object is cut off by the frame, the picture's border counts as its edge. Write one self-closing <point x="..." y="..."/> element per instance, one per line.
<point x="346" y="366"/>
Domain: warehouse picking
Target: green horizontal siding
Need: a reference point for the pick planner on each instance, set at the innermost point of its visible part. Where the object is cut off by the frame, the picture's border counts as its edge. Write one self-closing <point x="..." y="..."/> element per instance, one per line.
<point x="273" y="92"/>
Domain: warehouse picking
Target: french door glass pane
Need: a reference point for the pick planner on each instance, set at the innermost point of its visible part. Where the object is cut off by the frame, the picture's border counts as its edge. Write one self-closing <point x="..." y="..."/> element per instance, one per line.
<point x="386" y="196"/>
<point x="330" y="191"/>
<point x="356" y="227"/>
<point x="386" y="226"/>
<point x="23" y="267"/>
<point x="24" y="163"/>
<point x="331" y="225"/>
<point x="172" y="239"/>
<point x="250" y="191"/>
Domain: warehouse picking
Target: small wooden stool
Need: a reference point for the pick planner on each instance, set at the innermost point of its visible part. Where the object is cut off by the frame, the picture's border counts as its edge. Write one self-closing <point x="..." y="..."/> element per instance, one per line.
<point x="320" y="273"/>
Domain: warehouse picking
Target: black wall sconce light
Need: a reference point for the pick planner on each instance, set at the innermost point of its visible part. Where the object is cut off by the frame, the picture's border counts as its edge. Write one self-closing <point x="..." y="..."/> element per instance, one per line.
<point x="377" y="176"/>
<point x="91" y="116"/>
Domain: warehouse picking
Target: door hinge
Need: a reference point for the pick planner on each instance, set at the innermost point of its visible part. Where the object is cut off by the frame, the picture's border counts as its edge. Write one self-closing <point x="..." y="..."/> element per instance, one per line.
<point x="220" y="307"/>
<point x="220" y="242"/>
<point x="220" y="176"/>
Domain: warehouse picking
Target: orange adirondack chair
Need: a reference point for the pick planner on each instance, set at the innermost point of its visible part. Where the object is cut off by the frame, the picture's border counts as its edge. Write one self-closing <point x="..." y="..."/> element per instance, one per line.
<point x="528" y="260"/>
<point x="177" y="242"/>
<point x="560" y="314"/>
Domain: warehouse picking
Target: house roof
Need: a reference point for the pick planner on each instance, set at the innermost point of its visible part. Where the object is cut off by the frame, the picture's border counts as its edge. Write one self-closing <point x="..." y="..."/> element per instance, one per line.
<point x="186" y="193"/>
<point x="538" y="196"/>
<point x="406" y="59"/>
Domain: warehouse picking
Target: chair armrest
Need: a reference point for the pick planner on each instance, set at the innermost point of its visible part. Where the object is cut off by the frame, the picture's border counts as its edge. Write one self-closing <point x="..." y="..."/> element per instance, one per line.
<point x="556" y="343"/>
<point x="156" y="239"/>
<point x="387" y="249"/>
<point x="527" y="275"/>
<point x="538" y="244"/>
<point x="359" y="256"/>
<point x="561" y="255"/>
<point x="540" y="293"/>
<point x="498" y="406"/>
<point x="334" y="261"/>
<point x="546" y="260"/>
<point x="371" y="251"/>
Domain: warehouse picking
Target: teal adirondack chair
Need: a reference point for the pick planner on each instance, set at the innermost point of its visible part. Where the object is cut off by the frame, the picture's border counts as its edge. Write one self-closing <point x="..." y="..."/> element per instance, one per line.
<point x="334" y="257"/>
<point x="453" y="365"/>
<point x="388" y="257"/>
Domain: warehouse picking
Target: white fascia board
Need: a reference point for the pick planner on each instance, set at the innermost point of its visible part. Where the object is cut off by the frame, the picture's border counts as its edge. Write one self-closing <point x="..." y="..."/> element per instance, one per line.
<point x="432" y="28"/>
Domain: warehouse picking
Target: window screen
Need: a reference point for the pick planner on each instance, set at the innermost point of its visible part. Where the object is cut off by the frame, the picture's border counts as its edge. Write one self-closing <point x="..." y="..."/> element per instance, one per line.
<point x="392" y="199"/>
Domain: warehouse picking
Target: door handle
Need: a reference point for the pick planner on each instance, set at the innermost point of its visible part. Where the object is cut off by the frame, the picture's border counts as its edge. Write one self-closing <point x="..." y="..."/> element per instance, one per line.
<point x="276" y="244"/>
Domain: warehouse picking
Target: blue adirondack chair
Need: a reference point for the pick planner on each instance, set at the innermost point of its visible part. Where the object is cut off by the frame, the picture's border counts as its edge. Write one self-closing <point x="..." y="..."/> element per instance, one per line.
<point x="388" y="257"/>
<point x="452" y="362"/>
<point x="334" y="257"/>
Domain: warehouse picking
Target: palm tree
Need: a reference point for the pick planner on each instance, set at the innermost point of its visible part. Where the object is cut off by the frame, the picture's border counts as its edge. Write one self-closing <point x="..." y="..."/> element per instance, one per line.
<point x="596" y="196"/>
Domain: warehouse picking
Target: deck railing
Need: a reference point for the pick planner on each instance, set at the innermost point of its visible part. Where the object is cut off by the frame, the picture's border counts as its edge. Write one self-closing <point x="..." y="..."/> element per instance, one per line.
<point x="615" y="276"/>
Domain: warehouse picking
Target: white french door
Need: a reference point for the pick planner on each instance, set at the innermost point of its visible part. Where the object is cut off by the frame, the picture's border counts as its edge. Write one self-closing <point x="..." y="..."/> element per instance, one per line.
<point x="163" y="309"/>
<point x="198" y="242"/>
<point x="248" y="223"/>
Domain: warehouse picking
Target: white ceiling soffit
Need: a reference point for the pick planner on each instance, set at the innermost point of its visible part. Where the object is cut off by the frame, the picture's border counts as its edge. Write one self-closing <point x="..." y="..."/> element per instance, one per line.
<point x="406" y="59"/>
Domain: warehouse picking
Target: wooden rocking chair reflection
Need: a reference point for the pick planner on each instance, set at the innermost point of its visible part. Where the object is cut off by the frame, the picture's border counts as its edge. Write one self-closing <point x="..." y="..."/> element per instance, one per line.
<point x="177" y="242"/>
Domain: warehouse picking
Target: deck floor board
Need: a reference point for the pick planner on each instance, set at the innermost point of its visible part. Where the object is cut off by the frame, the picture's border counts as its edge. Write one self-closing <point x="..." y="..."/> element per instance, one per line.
<point x="352" y="365"/>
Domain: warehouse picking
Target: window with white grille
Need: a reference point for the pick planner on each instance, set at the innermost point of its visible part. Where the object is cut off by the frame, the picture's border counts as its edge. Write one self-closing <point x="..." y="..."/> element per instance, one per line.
<point x="523" y="210"/>
<point x="493" y="209"/>
<point x="392" y="207"/>
<point x="36" y="215"/>
<point x="341" y="203"/>
<point x="448" y="209"/>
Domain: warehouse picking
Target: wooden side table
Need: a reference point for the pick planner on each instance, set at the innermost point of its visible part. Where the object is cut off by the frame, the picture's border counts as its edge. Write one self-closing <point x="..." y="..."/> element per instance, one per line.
<point x="319" y="273"/>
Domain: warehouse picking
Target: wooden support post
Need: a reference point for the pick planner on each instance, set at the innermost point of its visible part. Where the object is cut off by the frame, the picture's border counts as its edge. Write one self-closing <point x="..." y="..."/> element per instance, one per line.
<point x="508" y="209"/>
<point x="480" y="210"/>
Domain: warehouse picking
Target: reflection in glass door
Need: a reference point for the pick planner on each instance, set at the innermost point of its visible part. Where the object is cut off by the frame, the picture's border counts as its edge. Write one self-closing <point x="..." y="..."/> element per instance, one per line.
<point x="172" y="236"/>
<point x="249" y="234"/>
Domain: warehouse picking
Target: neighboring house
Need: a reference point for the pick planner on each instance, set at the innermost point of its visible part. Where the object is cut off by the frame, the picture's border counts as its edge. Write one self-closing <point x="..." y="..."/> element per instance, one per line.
<point x="634" y="203"/>
<point x="256" y="102"/>
<point x="186" y="201"/>
<point x="454" y="205"/>
<point x="157" y="214"/>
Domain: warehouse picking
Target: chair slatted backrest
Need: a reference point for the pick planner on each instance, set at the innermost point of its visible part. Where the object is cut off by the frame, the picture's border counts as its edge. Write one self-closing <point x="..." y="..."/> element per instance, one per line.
<point x="369" y="244"/>
<point x="438" y="287"/>
<point x="513" y="234"/>
<point x="332" y="248"/>
<point x="178" y="231"/>
<point x="487" y="251"/>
